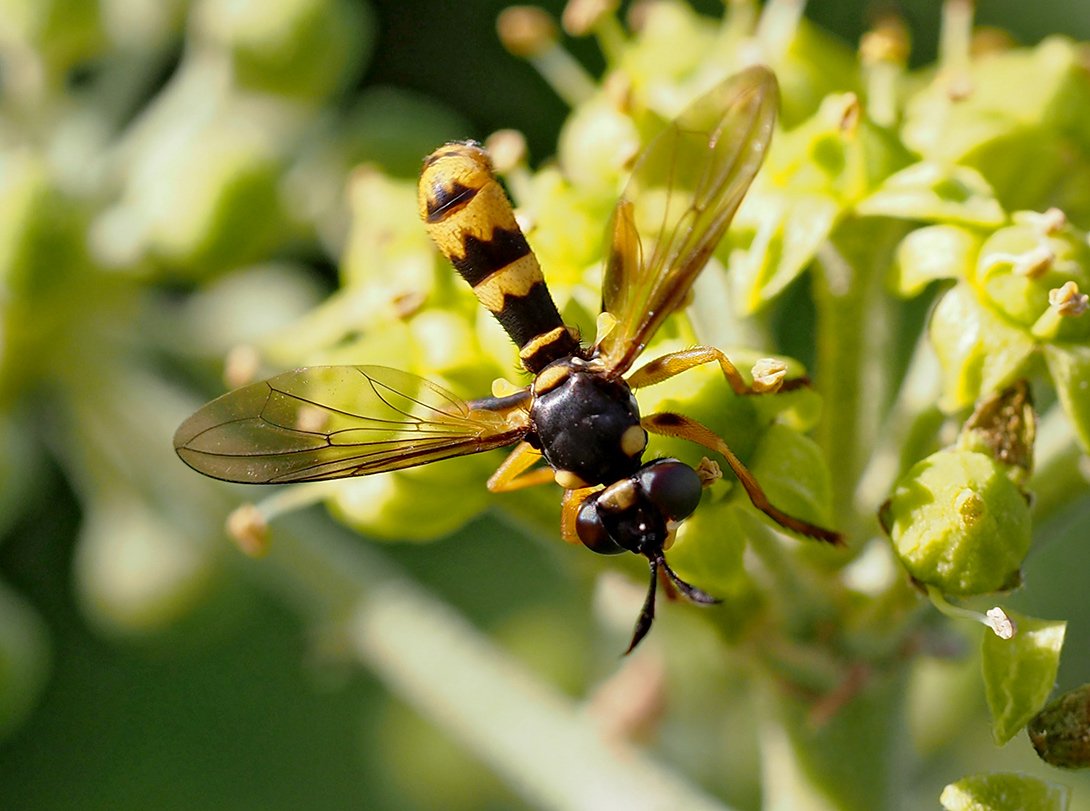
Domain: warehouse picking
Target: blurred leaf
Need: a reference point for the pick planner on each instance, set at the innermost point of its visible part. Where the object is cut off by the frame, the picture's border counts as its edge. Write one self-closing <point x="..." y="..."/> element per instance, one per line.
<point x="1004" y="792"/>
<point x="24" y="659"/>
<point x="1069" y="366"/>
<point x="979" y="352"/>
<point x="932" y="253"/>
<point x="1019" y="673"/>
<point x="934" y="193"/>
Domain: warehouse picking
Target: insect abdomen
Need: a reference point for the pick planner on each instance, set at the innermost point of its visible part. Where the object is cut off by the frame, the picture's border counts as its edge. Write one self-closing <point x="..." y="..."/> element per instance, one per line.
<point x="469" y="217"/>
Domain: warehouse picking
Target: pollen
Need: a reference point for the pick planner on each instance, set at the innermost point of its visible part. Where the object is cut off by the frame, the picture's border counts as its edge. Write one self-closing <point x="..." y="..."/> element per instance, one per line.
<point x="970" y="506"/>
<point x="1068" y="301"/>
<point x="768" y="375"/>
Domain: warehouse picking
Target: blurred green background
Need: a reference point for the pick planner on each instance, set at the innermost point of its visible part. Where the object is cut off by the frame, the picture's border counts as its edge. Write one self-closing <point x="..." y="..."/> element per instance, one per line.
<point x="244" y="704"/>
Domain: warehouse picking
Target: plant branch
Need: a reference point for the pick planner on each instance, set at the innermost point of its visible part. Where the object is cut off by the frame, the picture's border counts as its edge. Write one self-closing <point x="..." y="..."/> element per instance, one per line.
<point x="539" y="741"/>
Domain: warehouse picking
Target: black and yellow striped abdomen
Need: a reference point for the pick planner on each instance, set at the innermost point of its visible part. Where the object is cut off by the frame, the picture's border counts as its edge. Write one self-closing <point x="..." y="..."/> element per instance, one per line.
<point x="469" y="217"/>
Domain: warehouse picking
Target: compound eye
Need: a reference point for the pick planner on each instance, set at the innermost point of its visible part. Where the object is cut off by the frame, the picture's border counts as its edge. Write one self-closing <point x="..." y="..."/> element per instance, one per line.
<point x="591" y="531"/>
<point x="672" y="486"/>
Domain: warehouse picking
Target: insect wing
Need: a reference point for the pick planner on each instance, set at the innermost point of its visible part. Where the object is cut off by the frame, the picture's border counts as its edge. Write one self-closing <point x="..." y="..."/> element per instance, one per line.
<point x="677" y="206"/>
<point x="331" y="422"/>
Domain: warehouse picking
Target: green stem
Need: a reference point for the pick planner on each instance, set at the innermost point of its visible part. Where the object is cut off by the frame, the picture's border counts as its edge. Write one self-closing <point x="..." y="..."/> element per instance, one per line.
<point x="847" y="757"/>
<point x="853" y="336"/>
<point x="908" y="431"/>
<point x="537" y="739"/>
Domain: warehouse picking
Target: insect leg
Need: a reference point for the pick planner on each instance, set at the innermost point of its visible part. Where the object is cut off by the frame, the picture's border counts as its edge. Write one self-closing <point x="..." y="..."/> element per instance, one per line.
<point x="682" y="427"/>
<point x="512" y="473"/>
<point x="569" y="511"/>
<point x="675" y="363"/>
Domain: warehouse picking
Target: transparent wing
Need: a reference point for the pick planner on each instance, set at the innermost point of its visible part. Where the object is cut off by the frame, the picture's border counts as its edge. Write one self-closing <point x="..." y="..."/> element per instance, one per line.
<point x="683" y="193"/>
<point x="330" y="422"/>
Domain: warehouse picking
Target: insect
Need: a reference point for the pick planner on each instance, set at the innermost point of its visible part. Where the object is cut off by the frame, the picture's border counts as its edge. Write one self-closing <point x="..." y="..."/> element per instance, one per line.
<point x="578" y="414"/>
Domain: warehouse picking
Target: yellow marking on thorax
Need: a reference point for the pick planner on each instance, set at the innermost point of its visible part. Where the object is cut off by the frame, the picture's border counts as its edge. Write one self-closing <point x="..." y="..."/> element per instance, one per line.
<point x="550" y="378"/>
<point x="633" y="440"/>
<point x="618" y="496"/>
<point x="569" y="480"/>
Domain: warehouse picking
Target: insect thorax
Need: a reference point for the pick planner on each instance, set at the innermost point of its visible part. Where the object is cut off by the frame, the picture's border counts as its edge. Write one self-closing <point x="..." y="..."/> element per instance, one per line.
<point x="585" y="423"/>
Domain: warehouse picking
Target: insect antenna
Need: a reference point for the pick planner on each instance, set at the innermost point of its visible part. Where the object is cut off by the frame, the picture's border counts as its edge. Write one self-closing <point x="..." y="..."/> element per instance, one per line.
<point x="647" y="613"/>
<point x="691" y="592"/>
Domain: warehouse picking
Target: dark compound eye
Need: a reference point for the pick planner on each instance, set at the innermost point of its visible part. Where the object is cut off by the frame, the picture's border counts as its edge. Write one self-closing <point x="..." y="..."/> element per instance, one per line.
<point x="672" y="486"/>
<point x="591" y="530"/>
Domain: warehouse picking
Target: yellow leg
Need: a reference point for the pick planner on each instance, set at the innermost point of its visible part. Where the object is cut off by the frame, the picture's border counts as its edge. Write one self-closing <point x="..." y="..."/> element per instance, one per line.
<point x="512" y="473"/>
<point x="676" y="425"/>
<point x="677" y="362"/>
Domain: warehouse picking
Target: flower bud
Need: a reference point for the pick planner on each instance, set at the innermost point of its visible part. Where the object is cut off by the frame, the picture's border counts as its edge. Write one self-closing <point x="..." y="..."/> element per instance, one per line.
<point x="307" y="49"/>
<point x="1018" y="270"/>
<point x="959" y="523"/>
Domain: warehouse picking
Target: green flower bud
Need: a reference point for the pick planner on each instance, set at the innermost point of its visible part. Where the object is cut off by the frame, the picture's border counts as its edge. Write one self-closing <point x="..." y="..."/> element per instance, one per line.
<point x="448" y="352"/>
<point x="814" y="65"/>
<point x="672" y="42"/>
<point x="1020" y="266"/>
<point x="566" y="227"/>
<point x="302" y="48"/>
<point x="47" y="281"/>
<point x="206" y="199"/>
<point x="958" y="523"/>
<point x="596" y="143"/>
<point x="387" y="248"/>
<point x="1061" y="731"/>
<point x="41" y="232"/>
<point x="137" y="574"/>
<point x="815" y="174"/>
<point x="419" y="504"/>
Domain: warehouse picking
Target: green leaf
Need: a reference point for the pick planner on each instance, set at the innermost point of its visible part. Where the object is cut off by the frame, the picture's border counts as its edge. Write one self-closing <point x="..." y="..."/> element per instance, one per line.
<point x="1004" y="792"/>
<point x="932" y="253"/>
<point x="792" y="471"/>
<point x="1070" y="369"/>
<point x="936" y="193"/>
<point x="709" y="547"/>
<point x="24" y="659"/>
<point x="1019" y="673"/>
<point x="789" y="230"/>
